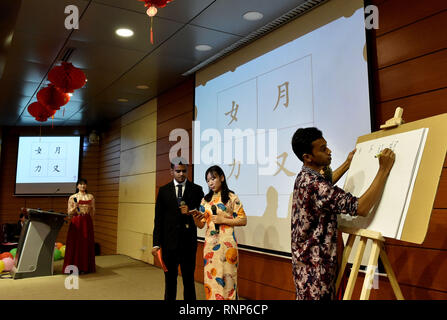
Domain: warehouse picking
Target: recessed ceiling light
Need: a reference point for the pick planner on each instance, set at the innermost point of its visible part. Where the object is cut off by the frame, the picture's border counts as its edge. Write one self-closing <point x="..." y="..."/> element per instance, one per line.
<point x="142" y="87"/>
<point x="253" y="16"/>
<point x="123" y="32"/>
<point x="122" y="100"/>
<point x="203" y="47"/>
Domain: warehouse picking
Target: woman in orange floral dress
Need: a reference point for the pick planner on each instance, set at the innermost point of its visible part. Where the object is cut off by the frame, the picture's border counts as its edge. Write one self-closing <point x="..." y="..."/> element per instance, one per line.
<point x="220" y="250"/>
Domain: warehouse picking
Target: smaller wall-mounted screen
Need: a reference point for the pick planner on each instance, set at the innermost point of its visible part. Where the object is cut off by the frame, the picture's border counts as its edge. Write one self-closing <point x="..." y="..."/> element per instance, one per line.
<point x="47" y="165"/>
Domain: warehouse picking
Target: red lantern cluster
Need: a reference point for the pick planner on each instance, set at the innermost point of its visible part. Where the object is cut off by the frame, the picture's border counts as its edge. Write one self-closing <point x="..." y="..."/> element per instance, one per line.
<point x="64" y="79"/>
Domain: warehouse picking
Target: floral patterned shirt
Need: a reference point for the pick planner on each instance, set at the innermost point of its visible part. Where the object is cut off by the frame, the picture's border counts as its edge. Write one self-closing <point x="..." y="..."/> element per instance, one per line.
<point x="316" y="203"/>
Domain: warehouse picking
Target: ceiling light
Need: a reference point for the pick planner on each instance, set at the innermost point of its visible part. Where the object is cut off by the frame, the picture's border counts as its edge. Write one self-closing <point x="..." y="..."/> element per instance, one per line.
<point x="142" y="87"/>
<point x="253" y="16"/>
<point x="122" y="100"/>
<point x="124" y="32"/>
<point x="203" y="47"/>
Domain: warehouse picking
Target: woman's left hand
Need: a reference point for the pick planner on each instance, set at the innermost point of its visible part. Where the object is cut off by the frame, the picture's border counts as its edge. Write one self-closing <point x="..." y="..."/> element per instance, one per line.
<point x="218" y="219"/>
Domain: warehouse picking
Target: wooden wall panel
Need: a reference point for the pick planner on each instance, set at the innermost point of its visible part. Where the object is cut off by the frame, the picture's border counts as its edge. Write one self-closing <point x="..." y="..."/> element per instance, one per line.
<point x="137" y="182"/>
<point x="415" y="40"/>
<point x="398" y="13"/>
<point x="416" y="107"/>
<point x="412" y="77"/>
<point x="419" y="267"/>
<point x="106" y="219"/>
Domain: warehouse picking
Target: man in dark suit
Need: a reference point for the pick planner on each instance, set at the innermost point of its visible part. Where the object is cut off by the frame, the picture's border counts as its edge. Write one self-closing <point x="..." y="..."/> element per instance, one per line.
<point x="175" y="231"/>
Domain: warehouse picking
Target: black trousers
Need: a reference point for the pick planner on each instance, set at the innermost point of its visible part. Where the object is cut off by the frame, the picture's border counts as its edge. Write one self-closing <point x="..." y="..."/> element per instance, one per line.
<point x="186" y="258"/>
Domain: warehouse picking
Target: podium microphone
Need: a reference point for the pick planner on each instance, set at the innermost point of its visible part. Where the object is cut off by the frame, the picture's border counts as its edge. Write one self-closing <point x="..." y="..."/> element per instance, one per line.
<point x="76" y="201"/>
<point x="214" y="209"/>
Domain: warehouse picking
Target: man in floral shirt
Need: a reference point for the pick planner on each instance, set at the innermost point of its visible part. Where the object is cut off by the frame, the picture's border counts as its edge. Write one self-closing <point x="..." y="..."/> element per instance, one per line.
<point x="316" y="203"/>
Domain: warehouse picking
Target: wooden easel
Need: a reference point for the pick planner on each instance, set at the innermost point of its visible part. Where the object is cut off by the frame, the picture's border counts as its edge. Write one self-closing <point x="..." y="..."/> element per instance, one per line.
<point x="376" y="251"/>
<point x="377" y="247"/>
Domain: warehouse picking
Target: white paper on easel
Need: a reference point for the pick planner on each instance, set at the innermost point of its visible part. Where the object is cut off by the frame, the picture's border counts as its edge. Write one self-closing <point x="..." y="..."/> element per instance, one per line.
<point x="391" y="212"/>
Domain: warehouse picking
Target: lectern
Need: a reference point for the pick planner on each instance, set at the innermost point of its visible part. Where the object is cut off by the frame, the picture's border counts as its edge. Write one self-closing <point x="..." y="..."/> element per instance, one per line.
<point x="34" y="256"/>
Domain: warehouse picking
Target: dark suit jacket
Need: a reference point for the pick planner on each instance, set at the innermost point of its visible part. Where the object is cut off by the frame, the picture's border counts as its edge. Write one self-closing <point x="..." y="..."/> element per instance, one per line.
<point x="170" y="232"/>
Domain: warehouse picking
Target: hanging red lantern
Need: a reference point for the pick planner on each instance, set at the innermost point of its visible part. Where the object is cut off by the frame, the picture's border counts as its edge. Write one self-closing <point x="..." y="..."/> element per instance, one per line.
<point x="40" y="112"/>
<point x="52" y="97"/>
<point x="152" y="6"/>
<point x="155" y="3"/>
<point x="67" y="77"/>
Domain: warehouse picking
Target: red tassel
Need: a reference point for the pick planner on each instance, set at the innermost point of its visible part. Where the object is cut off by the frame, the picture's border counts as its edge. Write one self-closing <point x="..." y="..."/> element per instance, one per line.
<point x="52" y="123"/>
<point x="152" y="34"/>
<point x="63" y="112"/>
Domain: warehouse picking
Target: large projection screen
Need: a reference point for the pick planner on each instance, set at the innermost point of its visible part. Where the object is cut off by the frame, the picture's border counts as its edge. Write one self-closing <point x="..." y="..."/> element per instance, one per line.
<point x="311" y="72"/>
<point x="47" y="165"/>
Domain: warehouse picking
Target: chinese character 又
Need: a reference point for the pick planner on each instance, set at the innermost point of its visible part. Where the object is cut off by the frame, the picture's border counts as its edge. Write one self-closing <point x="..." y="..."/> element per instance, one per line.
<point x="281" y="165"/>
<point x="281" y="94"/>
<point x="233" y="112"/>
<point x="56" y="168"/>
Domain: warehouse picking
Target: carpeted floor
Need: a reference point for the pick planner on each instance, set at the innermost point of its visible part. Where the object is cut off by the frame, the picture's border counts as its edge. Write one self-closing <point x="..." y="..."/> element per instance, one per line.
<point x="117" y="277"/>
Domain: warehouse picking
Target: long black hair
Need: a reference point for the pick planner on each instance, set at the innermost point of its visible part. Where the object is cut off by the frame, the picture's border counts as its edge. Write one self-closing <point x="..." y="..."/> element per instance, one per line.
<point x="225" y="191"/>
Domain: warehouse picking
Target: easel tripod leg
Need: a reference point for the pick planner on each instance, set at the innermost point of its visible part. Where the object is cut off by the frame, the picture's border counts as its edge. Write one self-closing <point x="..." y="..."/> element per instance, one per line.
<point x="344" y="262"/>
<point x="355" y="269"/>
<point x="370" y="271"/>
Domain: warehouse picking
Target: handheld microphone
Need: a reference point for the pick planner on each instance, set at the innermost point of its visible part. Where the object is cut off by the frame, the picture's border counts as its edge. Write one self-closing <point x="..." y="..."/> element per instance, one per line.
<point x="76" y="201"/>
<point x="214" y="209"/>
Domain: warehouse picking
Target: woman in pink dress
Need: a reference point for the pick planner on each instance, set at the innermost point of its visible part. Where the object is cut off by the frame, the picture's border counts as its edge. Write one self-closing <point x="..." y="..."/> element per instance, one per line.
<point x="80" y="246"/>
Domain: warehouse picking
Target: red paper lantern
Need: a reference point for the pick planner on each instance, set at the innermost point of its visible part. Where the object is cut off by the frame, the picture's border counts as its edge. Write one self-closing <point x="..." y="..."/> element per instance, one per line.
<point x="67" y="77"/>
<point x="152" y="6"/>
<point x="155" y="3"/>
<point x="40" y="112"/>
<point x="52" y="97"/>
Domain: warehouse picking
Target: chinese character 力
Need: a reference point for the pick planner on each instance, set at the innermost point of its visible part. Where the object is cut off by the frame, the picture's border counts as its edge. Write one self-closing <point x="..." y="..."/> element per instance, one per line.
<point x="233" y="165"/>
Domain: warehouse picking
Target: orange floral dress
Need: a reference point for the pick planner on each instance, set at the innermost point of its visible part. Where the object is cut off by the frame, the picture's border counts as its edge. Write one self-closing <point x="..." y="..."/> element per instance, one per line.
<point x="220" y="251"/>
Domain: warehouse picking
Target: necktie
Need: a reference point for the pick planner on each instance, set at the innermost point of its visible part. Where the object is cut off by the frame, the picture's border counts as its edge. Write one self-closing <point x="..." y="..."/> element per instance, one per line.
<point x="179" y="193"/>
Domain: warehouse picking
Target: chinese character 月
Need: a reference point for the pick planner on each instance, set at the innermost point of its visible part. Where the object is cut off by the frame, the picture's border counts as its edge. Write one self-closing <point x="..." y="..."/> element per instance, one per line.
<point x="233" y="112"/>
<point x="58" y="150"/>
<point x="283" y="93"/>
